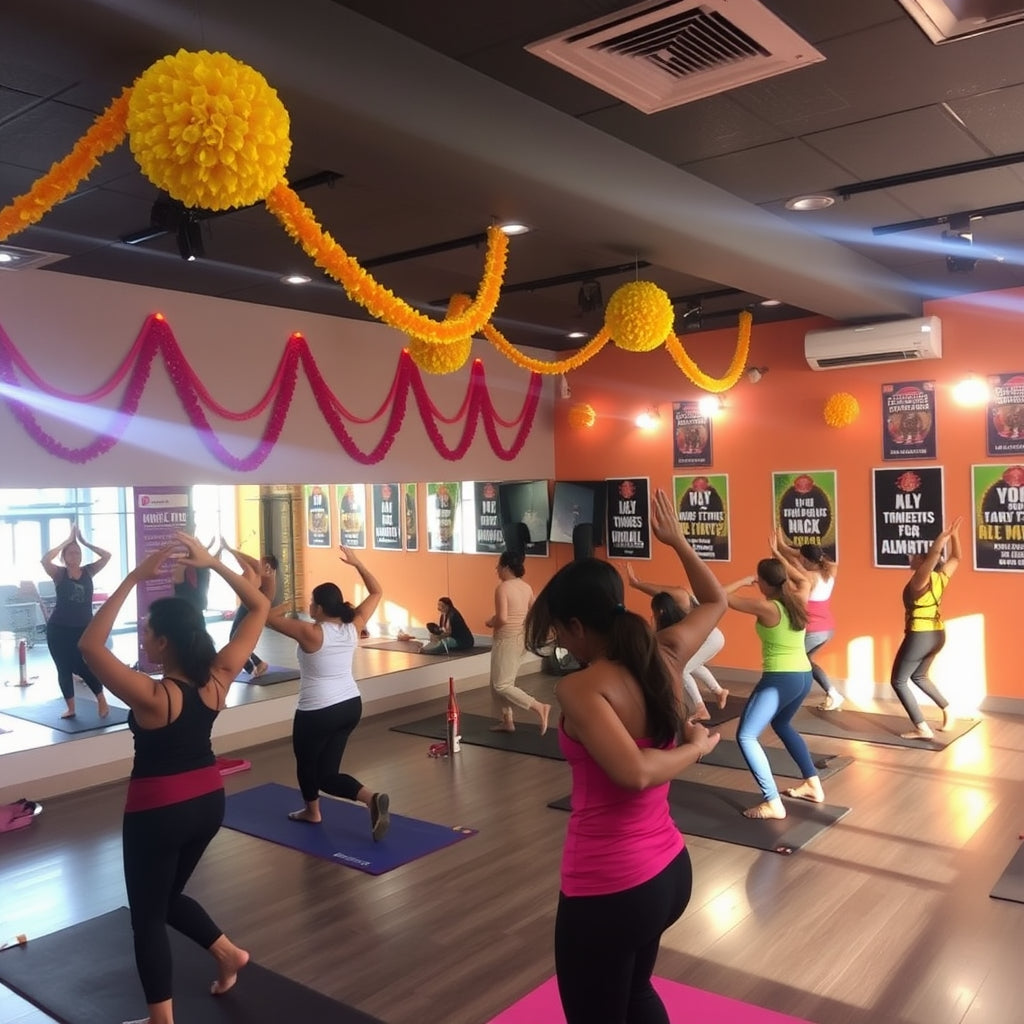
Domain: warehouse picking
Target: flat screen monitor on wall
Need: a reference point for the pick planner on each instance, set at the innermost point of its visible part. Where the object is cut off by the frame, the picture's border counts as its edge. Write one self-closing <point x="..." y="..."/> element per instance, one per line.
<point x="526" y="501"/>
<point x="576" y="502"/>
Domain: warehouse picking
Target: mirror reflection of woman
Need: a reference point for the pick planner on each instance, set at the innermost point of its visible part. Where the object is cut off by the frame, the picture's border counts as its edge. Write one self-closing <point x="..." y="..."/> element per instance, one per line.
<point x="72" y="612"/>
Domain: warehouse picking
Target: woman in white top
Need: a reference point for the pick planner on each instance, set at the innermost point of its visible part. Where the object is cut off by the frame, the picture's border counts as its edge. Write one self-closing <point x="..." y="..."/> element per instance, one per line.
<point x="330" y="704"/>
<point x="513" y="598"/>
<point x="669" y="606"/>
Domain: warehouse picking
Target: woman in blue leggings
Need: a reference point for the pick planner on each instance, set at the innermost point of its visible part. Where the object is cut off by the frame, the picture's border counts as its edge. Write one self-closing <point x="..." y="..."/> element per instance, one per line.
<point x="781" y="613"/>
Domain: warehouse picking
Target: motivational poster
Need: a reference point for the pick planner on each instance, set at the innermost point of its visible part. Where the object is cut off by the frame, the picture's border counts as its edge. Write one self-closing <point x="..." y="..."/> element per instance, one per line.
<point x="908" y="420"/>
<point x="702" y="505"/>
<point x="387" y="517"/>
<point x="352" y="515"/>
<point x="443" y="533"/>
<point x="908" y="513"/>
<point x="487" y="518"/>
<point x="318" y="515"/>
<point x="998" y="517"/>
<point x="805" y="508"/>
<point x="1005" y="419"/>
<point x="629" y="518"/>
<point x="691" y="435"/>
<point x="412" y="529"/>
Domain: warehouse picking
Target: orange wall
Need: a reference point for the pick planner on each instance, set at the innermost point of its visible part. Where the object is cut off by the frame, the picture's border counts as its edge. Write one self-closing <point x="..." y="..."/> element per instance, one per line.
<point x="777" y="424"/>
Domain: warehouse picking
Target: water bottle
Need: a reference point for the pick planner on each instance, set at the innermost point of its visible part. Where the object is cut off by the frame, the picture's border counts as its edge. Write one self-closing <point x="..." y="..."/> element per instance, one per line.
<point x="22" y="663"/>
<point x="454" y="736"/>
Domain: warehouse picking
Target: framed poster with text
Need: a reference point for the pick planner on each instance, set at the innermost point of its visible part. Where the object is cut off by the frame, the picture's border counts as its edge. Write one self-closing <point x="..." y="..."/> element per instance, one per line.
<point x="998" y="503"/>
<point x="412" y="519"/>
<point x="907" y="512"/>
<point x="443" y="532"/>
<point x="805" y="508"/>
<point x="352" y="515"/>
<point x="318" y="515"/>
<point x="486" y="518"/>
<point x="691" y="435"/>
<point x="387" y="518"/>
<point x="908" y="420"/>
<point x="1004" y="432"/>
<point x="629" y="518"/>
<point x="702" y="506"/>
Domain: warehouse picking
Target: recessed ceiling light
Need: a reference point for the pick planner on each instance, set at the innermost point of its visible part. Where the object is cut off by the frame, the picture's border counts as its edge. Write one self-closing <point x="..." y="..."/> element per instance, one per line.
<point x="296" y="279"/>
<point x="577" y="334"/>
<point x="514" y="228"/>
<point x="13" y="257"/>
<point x="7" y="257"/>
<point x="771" y="302"/>
<point x="804" y="204"/>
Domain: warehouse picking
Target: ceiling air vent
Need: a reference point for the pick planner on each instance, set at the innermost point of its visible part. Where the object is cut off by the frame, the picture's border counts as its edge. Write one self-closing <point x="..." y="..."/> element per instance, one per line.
<point x="658" y="55"/>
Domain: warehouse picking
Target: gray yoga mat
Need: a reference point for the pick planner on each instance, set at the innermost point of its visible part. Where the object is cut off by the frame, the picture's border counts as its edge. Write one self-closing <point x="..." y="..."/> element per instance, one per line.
<point x="715" y="812"/>
<point x="1011" y="882"/>
<point x="85" y="720"/>
<point x="476" y="731"/>
<point x="97" y="983"/>
<point x="727" y="755"/>
<point x="850" y="724"/>
<point x="413" y="647"/>
<point x="270" y="677"/>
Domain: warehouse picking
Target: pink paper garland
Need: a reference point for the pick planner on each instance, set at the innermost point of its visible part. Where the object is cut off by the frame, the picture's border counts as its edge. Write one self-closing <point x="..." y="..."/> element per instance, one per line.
<point x="157" y="338"/>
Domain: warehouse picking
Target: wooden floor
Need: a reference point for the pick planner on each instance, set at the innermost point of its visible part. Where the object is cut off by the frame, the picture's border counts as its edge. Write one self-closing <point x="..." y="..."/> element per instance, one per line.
<point x="884" y="918"/>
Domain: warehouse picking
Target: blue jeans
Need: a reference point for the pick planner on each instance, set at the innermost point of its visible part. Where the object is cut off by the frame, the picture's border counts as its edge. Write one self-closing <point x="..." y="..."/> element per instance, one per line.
<point x="775" y="700"/>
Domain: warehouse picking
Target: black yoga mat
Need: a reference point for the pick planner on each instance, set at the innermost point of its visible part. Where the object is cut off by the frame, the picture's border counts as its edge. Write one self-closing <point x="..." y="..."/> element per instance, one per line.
<point x="270" y="677"/>
<point x="96" y="982"/>
<point x="413" y="647"/>
<point x="733" y="709"/>
<point x="727" y="755"/>
<point x="86" y="719"/>
<point x="476" y="731"/>
<point x="850" y="724"/>
<point x="1011" y="882"/>
<point x="717" y="813"/>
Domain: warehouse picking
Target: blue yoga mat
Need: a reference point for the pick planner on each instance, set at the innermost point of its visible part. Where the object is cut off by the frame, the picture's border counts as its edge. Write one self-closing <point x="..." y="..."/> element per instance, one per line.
<point x="343" y="836"/>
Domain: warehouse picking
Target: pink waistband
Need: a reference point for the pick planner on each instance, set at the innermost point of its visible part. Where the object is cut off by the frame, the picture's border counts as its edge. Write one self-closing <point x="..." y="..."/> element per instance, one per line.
<point x="163" y="790"/>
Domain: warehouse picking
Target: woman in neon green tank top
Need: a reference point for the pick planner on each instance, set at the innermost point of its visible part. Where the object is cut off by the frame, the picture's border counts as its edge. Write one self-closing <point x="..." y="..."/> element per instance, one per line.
<point x="925" y="632"/>
<point x="781" y="613"/>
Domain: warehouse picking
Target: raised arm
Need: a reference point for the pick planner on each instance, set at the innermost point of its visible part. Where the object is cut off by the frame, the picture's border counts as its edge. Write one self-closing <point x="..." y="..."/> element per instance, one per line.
<point x="679" y="594"/>
<point x="102" y="557"/>
<point x="374" y="591"/>
<point x="308" y="635"/>
<point x="786" y="552"/>
<point x="922" y="574"/>
<point x="955" y="554"/>
<point x="711" y="598"/>
<point x="760" y="607"/>
<point x="50" y="567"/>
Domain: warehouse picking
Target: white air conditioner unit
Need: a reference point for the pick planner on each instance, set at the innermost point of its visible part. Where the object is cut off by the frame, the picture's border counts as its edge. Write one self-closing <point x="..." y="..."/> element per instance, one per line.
<point x="897" y="341"/>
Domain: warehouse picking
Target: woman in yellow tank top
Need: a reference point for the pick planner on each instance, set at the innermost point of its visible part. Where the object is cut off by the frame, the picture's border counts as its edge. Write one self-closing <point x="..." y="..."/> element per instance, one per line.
<point x="925" y="632"/>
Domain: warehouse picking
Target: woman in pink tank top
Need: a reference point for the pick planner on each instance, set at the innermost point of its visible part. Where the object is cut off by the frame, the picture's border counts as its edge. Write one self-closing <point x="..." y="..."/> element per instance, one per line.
<point x="626" y="873"/>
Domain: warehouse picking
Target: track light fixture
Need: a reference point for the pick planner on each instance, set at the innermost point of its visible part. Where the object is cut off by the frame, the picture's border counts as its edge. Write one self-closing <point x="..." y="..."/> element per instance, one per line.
<point x="190" y="237"/>
<point x="590" y="297"/>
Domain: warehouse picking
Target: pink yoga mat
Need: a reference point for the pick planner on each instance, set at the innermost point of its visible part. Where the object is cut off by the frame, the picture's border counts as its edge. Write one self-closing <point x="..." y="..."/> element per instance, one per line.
<point x="542" y="1006"/>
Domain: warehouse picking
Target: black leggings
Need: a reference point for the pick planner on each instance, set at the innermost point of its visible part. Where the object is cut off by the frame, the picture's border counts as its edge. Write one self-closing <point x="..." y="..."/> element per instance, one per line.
<point x="913" y="660"/>
<point x="318" y="739"/>
<point x="62" y="642"/>
<point x="161" y="850"/>
<point x="606" y="946"/>
<point x="254" y="659"/>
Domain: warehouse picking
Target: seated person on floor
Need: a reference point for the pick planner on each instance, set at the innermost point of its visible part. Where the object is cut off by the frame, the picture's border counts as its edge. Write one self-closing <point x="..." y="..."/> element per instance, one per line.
<point x="449" y="634"/>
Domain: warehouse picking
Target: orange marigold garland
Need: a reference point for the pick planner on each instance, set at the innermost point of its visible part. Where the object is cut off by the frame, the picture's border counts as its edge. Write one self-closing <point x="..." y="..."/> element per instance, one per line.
<point x="735" y="371"/>
<point x="106" y="134"/>
<point x="510" y="352"/>
<point x="379" y="302"/>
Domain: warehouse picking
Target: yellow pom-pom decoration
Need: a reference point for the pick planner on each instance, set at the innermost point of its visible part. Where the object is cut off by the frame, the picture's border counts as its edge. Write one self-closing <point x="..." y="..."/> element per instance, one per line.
<point x="841" y="409"/>
<point x="435" y="358"/>
<point x="208" y="130"/>
<point x="582" y="416"/>
<point x="639" y="316"/>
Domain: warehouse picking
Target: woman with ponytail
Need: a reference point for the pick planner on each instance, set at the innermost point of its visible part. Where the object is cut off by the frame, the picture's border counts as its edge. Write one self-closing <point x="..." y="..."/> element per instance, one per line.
<point x="175" y="801"/>
<point x="626" y="873"/>
<point x="330" y="705"/>
<point x="780" y="612"/>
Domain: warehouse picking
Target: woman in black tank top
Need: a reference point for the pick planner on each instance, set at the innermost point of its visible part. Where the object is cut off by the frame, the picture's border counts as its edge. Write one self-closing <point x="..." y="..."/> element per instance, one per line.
<point x="175" y="800"/>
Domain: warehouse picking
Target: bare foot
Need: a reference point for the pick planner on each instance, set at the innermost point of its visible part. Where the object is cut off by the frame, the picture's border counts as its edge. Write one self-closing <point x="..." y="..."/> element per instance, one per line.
<point x="922" y="732"/>
<point x="505" y="725"/>
<point x="723" y="696"/>
<point x="102" y="706"/>
<point x="948" y="719"/>
<point x="809" y="789"/>
<point x="543" y="710"/>
<point x="306" y="816"/>
<point x="768" y="809"/>
<point x="68" y="714"/>
<point x="260" y="668"/>
<point x="402" y="635"/>
<point x="701" y="714"/>
<point x="832" y="702"/>
<point x="228" y="969"/>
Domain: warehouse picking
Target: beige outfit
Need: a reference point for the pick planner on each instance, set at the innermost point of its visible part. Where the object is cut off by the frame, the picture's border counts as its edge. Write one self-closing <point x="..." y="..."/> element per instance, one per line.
<point x="509" y="646"/>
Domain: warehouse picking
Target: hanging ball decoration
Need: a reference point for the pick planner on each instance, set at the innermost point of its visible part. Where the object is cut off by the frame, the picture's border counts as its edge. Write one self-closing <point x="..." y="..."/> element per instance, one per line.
<point x="443" y="357"/>
<point x="582" y="416"/>
<point x="639" y="316"/>
<point x="841" y="409"/>
<point x="208" y="130"/>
